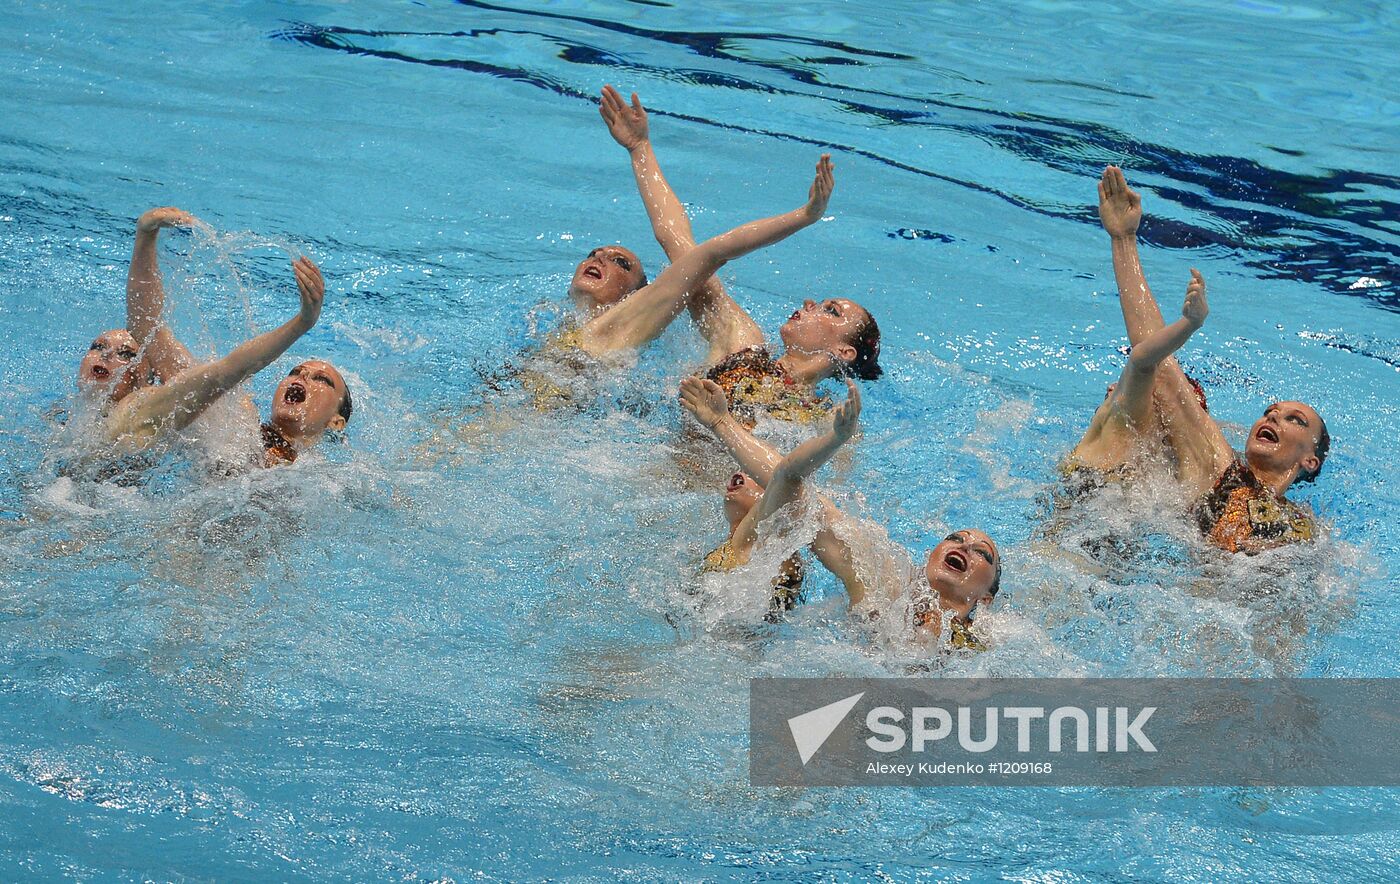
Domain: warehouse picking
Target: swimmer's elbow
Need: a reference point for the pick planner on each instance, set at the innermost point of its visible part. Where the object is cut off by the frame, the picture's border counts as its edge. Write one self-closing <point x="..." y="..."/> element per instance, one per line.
<point x="1143" y="365"/>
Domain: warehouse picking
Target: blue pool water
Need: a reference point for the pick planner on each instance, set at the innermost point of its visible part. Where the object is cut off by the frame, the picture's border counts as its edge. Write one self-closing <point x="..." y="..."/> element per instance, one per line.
<point x="446" y="650"/>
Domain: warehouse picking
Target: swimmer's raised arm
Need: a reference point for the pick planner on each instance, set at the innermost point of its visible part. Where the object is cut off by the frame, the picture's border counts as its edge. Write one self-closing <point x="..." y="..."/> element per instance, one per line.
<point x="182" y="399"/>
<point x="1133" y="395"/>
<point x="647" y="312"/>
<point x="785" y="485"/>
<point x="164" y="355"/>
<point x="706" y="400"/>
<point x="1120" y="212"/>
<point x="1202" y="450"/>
<point x="787" y="481"/>
<point x="723" y="323"/>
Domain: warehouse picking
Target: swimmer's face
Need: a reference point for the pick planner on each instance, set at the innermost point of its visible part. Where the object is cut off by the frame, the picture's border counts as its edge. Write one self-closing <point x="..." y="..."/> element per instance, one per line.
<point x="963" y="567"/>
<point x="606" y="276"/>
<point x="1286" y="436"/>
<point x="307" y="402"/>
<point x="106" y="364"/>
<point x="825" y="327"/>
<point x="741" y="493"/>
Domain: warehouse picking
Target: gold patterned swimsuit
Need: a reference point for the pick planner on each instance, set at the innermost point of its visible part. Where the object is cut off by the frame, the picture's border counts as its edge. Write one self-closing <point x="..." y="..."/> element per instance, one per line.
<point x="755" y="382"/>
<point x="787" y="586"/>
<point x="1078" y="478"/>
<point x="276" y="447"/>
<point x="564" y="353"/>
<point x="960" y="634"/>
<point x="1240" y="514"/>
<point x="962" y="637"/>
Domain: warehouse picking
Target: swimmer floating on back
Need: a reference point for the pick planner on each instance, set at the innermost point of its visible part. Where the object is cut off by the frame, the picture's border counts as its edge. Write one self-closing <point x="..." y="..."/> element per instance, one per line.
<point x="822" y="340"/>
<point x="1240" y="502"/>
<point x="741" y="494"/>
<point x="961" y="572"/>
<point x="644" y="314"/>
<point x="311" y="400"/>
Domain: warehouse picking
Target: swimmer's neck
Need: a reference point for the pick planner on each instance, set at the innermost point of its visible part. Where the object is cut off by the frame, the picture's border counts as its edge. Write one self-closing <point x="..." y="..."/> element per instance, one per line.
<point x="960" y="610"/>
<point x="585" y="307"/>
<point x="807" y="369"/>
<point x="299" y="441"/>
<point x="1277" y="481"/>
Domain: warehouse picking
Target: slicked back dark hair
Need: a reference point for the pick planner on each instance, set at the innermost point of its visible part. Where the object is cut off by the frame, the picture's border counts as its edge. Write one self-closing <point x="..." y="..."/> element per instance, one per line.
<point x="866" y="340"/>
<point x="1324" y="444"/>
<point x="347" y="405"/>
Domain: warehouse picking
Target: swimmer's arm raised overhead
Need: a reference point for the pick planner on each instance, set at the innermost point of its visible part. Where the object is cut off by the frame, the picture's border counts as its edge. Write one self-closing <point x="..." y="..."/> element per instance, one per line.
<point x="164" y="355"/>
<point x="1120" y="212"/>
<point x="787" y="481"/>
<point x="723" y="323"/>
<point x="1202" y="450"/>
<point x="1133" y="396"/>
<point x="183" y="398"/>
<point x="706" y="400"/>
<point x="647" y="312"/>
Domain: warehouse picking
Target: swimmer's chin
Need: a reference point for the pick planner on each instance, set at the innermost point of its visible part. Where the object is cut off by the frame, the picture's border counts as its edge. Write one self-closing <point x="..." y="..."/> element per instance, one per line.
<point x="286" y="413"/>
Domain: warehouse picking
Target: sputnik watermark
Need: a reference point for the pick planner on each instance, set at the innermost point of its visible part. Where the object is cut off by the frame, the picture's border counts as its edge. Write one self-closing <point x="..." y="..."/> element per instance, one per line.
<point x="1112" y="730"/>
<point x="930" y="724"/>
<point x="1053" y="732"/>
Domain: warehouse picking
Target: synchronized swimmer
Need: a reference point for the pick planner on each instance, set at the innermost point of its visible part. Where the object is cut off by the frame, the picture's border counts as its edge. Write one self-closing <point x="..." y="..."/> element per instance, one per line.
<point x="148" y="387"/>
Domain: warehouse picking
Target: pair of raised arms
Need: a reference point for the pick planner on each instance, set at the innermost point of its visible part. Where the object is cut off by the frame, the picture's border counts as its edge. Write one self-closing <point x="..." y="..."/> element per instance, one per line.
<point x="188" y="388"/>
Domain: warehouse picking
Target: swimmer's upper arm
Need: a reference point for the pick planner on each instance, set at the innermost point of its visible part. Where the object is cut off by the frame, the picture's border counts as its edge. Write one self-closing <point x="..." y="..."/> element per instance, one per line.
<point x="725" y="325"/>
<point x="722" y="322"/>
<point x="1202" y="451"/>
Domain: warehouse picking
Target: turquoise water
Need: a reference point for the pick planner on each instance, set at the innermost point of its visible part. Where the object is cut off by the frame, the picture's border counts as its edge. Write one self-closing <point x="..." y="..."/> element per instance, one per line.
<point x="446" y="649"/>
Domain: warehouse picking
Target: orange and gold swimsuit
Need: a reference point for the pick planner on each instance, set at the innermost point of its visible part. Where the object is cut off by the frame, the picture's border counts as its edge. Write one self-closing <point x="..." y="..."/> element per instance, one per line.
<point x="787" y="586"/>
<point x="755" y="382"/>
<point x="276" y="447"/>
<point x="1240" y="514"/>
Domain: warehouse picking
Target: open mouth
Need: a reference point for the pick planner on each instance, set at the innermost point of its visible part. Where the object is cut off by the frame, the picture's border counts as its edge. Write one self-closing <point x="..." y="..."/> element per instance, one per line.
<point x="100" y="372"/>
<point x="795" y="314"/>
<point x="593" y="272"/>
<point x="957" y="561"/>
<point x="736" y="482"/>
<point x="1266" y="433"/>
<point x="295" y="395"/>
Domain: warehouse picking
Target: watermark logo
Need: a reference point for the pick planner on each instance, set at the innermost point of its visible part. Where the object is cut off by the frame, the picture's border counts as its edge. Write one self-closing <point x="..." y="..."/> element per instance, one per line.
<point x="1075" y="732"/>
<point x="811" y="729"/>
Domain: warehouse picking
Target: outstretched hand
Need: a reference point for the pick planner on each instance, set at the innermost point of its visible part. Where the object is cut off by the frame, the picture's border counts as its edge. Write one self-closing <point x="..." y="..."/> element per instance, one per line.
<point x="165" y="216"/>
<point x="1120" y="207"/>
<point x="822" y="185"/>
<point x="312" y="288"/>
<point x="846" y="417"/>
<point x="1195" y="309"/>
<point x="705" y="399"/>
<point x="627" y="124"/>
